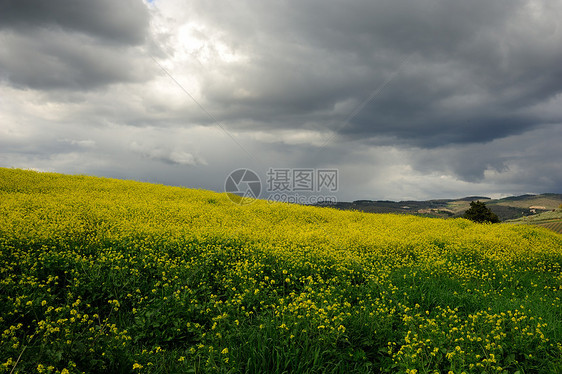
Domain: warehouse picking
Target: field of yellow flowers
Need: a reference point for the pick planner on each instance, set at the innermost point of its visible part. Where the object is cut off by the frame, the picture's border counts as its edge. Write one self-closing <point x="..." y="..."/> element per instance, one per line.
<point x="108" y="276"/>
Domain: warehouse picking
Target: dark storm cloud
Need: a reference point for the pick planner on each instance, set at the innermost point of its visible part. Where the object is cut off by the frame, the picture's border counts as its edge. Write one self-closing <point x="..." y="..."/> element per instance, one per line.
<point x="52" y="59"/>
<point x="453" y="72"/>
<point x="529" y="160"/>
<point x="123" y="22"/>
<point x="68" y="44"/>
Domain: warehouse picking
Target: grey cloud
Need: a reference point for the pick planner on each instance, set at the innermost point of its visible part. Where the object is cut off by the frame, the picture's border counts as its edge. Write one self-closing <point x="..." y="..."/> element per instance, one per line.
<point x="73" y="45"/>
<point x="124" y="22"/>
<point x="57" y="60"/>
<point x="474" y="71"/>
<point x="525" y="158"/>
<point x="466" y="163"/>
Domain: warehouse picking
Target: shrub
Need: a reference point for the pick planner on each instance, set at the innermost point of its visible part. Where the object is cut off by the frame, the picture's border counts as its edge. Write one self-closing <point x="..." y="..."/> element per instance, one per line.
<point x="479" y="212"/>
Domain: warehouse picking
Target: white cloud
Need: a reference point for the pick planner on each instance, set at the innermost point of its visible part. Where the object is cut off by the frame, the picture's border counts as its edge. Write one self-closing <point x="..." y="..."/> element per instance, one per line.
<point x="84" y="143"/>
<point x="164" y="154"/>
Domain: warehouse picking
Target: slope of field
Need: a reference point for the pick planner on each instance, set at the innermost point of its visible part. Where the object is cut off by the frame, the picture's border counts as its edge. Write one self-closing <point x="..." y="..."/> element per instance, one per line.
<point x="101" y="275"/>
<point x="551" y="220"/>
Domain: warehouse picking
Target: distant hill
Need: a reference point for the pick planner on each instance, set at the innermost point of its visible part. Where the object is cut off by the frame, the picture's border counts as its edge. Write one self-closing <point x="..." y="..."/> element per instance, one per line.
<point x="506" y="208"/>
<point x="551" y="220"/>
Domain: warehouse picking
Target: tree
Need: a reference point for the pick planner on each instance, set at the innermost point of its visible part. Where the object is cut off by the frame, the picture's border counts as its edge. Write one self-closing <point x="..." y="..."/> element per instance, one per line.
<point x="479" y="212"/>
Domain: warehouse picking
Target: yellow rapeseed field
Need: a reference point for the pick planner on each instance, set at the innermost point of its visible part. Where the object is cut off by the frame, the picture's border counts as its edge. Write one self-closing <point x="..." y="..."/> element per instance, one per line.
<point x="102" y="275"/>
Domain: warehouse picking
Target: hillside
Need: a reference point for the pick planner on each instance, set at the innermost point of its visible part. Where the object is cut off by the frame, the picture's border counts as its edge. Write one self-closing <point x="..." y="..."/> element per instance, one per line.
<point x="551" y="220"/>
<point x="102" y="275"/>
<point x="506" y="208"/>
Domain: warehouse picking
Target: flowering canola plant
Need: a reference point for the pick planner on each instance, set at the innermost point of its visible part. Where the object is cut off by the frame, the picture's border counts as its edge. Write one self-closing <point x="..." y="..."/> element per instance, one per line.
<point x="101" y="275"/>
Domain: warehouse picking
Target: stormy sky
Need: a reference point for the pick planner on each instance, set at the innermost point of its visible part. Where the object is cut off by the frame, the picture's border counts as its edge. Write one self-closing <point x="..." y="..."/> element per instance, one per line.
<point x="406" y="99"/>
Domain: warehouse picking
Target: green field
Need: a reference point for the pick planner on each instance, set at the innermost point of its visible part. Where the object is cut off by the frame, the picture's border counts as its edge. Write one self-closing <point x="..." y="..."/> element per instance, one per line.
<point x="108" y="276"/>
<point x="550" y="220"/>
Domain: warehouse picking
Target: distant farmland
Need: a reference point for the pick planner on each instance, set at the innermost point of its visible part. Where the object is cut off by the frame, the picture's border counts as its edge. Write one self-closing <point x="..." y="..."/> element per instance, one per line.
<point x="551" y="220"/>
<point x="554" y="226"/>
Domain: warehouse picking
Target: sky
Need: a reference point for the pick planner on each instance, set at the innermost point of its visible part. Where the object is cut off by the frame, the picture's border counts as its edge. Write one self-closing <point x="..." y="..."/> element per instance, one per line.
<point x="405" y="99"/>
